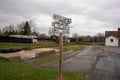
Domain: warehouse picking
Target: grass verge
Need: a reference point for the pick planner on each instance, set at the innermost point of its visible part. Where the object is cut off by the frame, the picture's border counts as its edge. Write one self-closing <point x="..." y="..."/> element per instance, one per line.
<point x="76" y="47"/>
<point x="44" y="60"/>
<point x="22" y="45"/>
<point x="10" y="70"/>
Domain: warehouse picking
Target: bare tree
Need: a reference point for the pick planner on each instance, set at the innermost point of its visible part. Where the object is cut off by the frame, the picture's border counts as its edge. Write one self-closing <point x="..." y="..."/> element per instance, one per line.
<point x="1" y="32"/>
<point x="20" y="27"/>
<point x="35" y="32"/>
<point x="32" y="25"/>
<point x="8" y="30"/>
<point x="51" y="31"/>
<point x="75" y="35"/>
<point x="100" y="37"/>
<point x="43" y="36"/>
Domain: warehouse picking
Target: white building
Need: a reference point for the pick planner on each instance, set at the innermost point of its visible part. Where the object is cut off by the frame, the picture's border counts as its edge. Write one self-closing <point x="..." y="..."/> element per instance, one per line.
<point x="112" y="38"/>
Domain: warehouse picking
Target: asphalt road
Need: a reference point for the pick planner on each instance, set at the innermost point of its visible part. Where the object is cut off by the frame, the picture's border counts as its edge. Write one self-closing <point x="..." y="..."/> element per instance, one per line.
<point x="99" y="62"/>
<point x="108" y="65"/>
<point x="83" y="61"/>
<point x="80" y="61"/>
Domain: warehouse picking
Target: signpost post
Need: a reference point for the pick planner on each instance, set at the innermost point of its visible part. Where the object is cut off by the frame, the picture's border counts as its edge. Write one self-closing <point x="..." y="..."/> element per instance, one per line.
<point x="61" y="26"/>
<point x="61" y="55"/>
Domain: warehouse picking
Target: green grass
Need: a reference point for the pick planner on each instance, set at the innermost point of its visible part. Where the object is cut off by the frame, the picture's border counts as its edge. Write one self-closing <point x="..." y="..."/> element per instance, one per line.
<point x="44" y="60"/>
<point x="10" y="70"/>
<point x="74" y="47"/>
<point x="22" y="45"/>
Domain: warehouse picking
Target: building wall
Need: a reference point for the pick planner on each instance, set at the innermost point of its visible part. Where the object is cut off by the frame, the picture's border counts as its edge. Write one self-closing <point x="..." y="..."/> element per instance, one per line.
<point x="111" y="41"/>
<point x="119" y="33"/>
<point x="34" y="40"/>
<point x="17" y="39"/>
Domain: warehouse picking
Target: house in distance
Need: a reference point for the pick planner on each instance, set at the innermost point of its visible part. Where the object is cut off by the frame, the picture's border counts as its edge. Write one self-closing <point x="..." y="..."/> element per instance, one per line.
<point x="112" y="38"/>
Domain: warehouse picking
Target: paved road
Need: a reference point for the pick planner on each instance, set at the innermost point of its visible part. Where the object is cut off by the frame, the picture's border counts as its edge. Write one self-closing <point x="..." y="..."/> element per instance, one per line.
<point x="80" y="61"/>
<point x="84" y="61"/>
<point x="108" y="65"/>
<point x="101" y="63"/>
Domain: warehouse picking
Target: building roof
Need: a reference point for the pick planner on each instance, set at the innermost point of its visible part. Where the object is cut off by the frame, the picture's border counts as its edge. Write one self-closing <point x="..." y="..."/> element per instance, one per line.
<point x="23" y="36"/>
<point x="111" y="33"/>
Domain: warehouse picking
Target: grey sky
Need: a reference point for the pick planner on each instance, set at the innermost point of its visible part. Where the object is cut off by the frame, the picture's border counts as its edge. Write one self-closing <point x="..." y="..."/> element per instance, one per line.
<point x="88" y="16"/>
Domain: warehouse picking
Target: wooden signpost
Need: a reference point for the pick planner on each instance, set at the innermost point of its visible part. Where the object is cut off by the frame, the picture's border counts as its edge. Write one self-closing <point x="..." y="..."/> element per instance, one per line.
<point x="61" y="26"/>
<point x="61" y="55"/>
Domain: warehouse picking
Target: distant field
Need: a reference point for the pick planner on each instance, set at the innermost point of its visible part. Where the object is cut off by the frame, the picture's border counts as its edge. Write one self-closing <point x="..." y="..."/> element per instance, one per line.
<point x="10" y="70"/>
<point x="22" y="45"/>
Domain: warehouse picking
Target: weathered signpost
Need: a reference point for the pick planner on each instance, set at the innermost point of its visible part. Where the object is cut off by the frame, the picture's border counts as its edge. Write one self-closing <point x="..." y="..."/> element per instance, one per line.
<point x="61" y="26"/>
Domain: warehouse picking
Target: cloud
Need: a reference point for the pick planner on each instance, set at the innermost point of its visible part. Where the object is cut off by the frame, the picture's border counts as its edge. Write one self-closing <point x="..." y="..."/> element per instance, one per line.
<point x="88" y="16"/>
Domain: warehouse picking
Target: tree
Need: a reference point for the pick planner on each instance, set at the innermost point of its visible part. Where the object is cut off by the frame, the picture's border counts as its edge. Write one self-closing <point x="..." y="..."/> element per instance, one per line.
<point x="35" y="32"/>
<point x="26" y="29"/>
<point x="20" y="27"/>
<point x="100" y="37"/>
<point x="43" y="36"/>
<point x="0" y="32"/>
<point x="51" y="31"/>
<point x="8" y="30"/>
<point x="75" y="35"/>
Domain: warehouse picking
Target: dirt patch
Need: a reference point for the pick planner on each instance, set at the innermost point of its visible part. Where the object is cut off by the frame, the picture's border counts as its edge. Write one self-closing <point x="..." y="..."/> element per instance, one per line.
<point x="28" y="54"/>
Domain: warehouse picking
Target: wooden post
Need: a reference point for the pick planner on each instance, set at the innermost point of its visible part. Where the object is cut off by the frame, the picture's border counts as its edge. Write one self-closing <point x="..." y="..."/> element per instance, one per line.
<point x="61" y="55"/>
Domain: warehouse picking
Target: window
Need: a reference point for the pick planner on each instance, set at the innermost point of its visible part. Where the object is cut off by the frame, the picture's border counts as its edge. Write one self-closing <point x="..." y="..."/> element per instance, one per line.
<point x="111" y="40"/>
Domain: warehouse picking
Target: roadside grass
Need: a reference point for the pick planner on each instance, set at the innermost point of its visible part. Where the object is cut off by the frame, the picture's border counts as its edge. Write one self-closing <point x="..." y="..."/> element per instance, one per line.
<point x="10" y="70"/>
<point x="44" y="60"/>
<point x="22" y="45"/>
<point x="75" y="47"/>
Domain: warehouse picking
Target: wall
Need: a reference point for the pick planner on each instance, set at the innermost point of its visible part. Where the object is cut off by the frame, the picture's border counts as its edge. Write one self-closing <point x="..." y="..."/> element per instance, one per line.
<point x="15" y="39"/>
<point x="118" y="32"/>
<point x="34" y="40"/>
<point x="109" y="43"/>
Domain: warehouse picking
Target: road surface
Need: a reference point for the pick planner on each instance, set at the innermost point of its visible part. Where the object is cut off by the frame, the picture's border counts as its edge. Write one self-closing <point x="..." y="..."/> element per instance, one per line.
<point x="108" y="65"/>
<point x="99" y="62"/>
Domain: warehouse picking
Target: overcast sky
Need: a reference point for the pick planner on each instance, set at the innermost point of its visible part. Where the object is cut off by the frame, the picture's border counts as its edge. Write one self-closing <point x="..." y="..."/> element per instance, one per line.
<point x="88" y="16"/>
